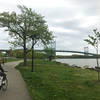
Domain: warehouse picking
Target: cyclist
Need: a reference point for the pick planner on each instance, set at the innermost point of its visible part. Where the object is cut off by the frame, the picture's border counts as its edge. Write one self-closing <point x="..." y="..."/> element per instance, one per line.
<point x="2" y="71"/>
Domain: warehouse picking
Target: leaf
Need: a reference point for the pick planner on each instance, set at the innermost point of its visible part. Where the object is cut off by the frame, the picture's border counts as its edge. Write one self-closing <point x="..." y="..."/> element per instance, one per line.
<point x="94" y="40"/>
<point x="24" y="25"/>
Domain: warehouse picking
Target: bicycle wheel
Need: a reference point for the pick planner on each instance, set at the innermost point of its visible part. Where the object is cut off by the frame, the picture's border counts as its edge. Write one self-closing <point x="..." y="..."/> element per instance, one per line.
<point x="5" y="85"/>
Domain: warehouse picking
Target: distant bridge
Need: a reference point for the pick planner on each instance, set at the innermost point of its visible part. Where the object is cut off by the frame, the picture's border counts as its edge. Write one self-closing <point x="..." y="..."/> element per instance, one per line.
<point x="70" y="51"/>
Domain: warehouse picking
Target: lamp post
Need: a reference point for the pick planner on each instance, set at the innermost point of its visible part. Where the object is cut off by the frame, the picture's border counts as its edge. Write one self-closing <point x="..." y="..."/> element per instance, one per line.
<point x="32" y="36"/>
<point x="32" y="53"/>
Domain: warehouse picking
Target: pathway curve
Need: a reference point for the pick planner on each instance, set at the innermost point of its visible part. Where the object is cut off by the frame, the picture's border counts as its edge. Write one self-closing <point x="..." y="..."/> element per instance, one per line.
<point x="17" y="89"/>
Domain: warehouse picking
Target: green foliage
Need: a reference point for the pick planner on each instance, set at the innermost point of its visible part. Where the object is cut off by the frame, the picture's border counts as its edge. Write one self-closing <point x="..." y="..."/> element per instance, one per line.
<point x="11" y="59"/>
<point x="95" y="41"/>
<point x="37" y="55"/>
<point x="16" y="53"/>
<point x="52" y="81"/>
<point x="20" y="54"/>
<point x="49" y="52"/>
<point x="2" y="54"/>
<point x="11" y="53"/>
<point x="22" y="26"/>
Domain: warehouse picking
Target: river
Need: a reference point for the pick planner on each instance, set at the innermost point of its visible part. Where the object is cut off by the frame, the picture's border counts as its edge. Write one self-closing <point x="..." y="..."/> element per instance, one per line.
<point x="91" y="63"/>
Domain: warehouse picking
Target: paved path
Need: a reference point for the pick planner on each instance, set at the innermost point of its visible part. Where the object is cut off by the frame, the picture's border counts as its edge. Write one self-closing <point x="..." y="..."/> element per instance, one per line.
<point x="17" y="89"/>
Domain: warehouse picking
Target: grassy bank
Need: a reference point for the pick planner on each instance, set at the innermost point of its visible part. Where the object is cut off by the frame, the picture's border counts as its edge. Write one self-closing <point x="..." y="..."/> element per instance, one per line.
<point x="10" y="59"/>
<point x="54" y="81"/>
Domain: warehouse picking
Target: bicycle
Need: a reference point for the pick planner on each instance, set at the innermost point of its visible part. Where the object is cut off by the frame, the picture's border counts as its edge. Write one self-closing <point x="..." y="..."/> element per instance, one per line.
<point x="3" y="82"/>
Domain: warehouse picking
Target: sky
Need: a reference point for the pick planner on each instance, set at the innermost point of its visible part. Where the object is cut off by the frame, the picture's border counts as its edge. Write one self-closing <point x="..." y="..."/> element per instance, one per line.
<point x="71" y="21"/>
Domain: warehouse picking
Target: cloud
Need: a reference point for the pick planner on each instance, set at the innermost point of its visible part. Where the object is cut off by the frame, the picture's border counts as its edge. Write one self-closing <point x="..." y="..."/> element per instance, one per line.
<point x="70" y="20"/>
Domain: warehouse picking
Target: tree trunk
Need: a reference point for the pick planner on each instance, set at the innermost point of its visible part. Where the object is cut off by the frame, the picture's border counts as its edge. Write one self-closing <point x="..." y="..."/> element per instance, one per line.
<point x="97" y="59"/>
<point x="98" y="63"/>
<point x="25" y="52"/>
<point x="97" y="55"/>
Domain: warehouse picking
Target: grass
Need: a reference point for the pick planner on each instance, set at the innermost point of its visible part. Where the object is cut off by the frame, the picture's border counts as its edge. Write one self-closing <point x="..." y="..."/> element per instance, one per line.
<point x="54" y="81"/>
<point x="10" y="59"/>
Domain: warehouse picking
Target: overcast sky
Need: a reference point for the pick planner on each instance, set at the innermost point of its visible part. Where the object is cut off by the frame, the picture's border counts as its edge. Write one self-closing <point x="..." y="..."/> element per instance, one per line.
<point x="70" y="20"/>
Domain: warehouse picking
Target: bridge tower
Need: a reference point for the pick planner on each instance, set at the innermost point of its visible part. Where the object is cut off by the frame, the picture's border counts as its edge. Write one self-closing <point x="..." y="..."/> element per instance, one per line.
<point x="86" y="51"/>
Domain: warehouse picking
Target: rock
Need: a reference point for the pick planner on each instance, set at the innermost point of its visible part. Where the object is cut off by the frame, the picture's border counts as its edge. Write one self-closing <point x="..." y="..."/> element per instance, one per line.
<point x="66" y="64"/>
<point x="58" y="63"/>
<point x="85" y="67"/>
<point x="75" y="66"/>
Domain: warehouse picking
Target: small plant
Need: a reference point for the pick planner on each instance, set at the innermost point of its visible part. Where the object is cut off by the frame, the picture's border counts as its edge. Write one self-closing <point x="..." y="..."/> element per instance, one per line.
<point x="95" y="41"/>
<point x="49" y="52"/>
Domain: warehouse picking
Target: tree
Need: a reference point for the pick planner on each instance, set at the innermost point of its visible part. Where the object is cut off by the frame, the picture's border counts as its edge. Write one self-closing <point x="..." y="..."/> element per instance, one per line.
<point x="21" y="26"/>
<point x="1" y="54"/>
<point x="49" y="52"/>
<point x="95" y="41"/>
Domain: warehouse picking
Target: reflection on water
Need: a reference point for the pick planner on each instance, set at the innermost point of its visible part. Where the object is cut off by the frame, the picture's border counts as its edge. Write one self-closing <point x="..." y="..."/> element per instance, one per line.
<point x="79" y="62"/>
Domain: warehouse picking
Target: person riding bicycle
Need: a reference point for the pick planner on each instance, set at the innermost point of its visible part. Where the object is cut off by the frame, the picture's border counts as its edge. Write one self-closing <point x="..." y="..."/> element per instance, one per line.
<point x="2" y="71"/>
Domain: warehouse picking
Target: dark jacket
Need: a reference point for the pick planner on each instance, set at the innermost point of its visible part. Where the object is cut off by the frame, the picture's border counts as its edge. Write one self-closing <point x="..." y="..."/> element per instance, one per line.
<point x="1" y="69"/>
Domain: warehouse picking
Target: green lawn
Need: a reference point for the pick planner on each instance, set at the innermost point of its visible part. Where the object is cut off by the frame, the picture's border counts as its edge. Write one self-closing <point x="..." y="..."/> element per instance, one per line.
<point x="10" y="59"/>
<point x="54" y="81"/>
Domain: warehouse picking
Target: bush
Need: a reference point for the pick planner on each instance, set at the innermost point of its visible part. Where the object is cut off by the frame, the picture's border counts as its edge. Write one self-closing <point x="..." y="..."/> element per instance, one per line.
<point x="20" y="54"/>
<point x="37" y="55"/>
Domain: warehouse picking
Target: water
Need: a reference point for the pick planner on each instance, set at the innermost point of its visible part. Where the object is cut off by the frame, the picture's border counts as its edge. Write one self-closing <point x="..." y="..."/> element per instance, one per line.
<point x="79" y="62"/>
